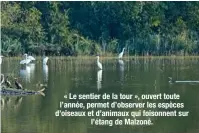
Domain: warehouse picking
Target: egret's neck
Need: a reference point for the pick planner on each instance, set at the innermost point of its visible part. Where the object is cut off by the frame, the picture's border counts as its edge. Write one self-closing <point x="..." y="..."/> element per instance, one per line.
<point x="123" y="50"/>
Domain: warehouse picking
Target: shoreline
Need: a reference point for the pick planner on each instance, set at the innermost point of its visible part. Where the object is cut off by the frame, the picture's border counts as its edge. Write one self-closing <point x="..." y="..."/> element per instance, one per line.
<point x="108" y="57"/>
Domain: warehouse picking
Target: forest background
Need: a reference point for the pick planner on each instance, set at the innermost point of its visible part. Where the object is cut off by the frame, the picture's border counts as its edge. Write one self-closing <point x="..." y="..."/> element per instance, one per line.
<point x="89" y="28"/>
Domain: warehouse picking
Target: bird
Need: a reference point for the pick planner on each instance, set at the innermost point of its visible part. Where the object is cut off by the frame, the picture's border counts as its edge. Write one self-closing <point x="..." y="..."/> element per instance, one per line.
<point x="121" y="54"/>
<point x="27" y="59"/>
<point x="1" y="58"/>
<point x="30" y="57"/>
<point x="17" y="84"/>
<point x="98" y="63"/>
<point x="171" y="80"/>
<point x="7" y="82"/>
<point x="40" y="85"/>
<point x="45" y="60"/>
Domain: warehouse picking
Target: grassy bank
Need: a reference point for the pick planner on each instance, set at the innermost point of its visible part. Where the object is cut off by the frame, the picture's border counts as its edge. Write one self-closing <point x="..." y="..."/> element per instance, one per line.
<point x="108" y="57"/>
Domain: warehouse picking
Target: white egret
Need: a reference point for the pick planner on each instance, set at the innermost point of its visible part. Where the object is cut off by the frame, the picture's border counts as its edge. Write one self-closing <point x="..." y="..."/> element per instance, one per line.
<point x="30" y="57"/>
<point x="98" y="63"/>
<point x="121" y="54"/>
<point x="1" y="58"/>
<point x="45" y="60"/>
<point x="27" y="59"/>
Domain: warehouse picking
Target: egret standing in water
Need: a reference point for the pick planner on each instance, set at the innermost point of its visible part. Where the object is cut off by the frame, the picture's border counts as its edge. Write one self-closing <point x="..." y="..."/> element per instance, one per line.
<point x="1" y="59"/>
<point x="121" y="54"/>
<point x="30" y="57"/>
<point x="45" y="60"/>
<point x="98" y="63"/>
<point x="27" y="59"/>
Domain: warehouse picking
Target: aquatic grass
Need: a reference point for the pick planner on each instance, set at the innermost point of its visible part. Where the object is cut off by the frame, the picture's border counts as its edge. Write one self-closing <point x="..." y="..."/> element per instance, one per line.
<point x="110" y="56"/>
<point x="82" y="62"/>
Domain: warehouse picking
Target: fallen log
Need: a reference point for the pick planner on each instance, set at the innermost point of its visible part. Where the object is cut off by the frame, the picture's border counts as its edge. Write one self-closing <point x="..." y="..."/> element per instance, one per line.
<point x="4" y="91"/>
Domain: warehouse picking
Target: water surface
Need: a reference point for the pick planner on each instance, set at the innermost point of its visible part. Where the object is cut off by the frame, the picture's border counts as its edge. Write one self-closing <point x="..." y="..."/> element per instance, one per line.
<point x="36" y="114"/>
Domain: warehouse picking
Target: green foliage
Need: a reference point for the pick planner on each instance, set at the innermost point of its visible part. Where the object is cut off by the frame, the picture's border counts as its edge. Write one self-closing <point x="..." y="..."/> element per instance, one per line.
<point x="10" y="46"/>
<point x="112" y="45"/>
<point x="87" y="28"/>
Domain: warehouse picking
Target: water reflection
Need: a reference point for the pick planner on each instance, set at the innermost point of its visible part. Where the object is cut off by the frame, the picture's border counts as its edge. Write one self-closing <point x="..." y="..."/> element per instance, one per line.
<point x="45" y="72"/>
<point x="99" y="79"/>
<point x="121" y="65"/>
<point x="2" y="103"/>
<point x="121" y="70"/>
<point x="27" y="71"/>
<point x="17" y="102"/>
<point x="80" y="76"/>
<point x="32" y="68"/>
<point x="11" y="103"/>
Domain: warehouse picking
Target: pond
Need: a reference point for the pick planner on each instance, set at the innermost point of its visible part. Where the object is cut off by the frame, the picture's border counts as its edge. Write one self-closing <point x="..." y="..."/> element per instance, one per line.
<point x="64" y="75"/>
